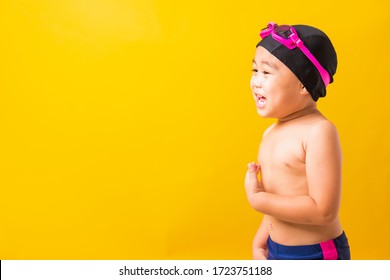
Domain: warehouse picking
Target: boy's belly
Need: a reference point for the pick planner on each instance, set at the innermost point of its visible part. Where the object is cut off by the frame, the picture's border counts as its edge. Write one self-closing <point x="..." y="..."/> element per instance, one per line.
<point x="287" y="233"/>
<point x="292" y="181"/>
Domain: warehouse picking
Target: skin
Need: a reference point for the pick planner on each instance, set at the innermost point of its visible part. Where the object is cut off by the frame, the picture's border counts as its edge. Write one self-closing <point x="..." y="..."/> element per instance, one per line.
<point x="296" y="183"/>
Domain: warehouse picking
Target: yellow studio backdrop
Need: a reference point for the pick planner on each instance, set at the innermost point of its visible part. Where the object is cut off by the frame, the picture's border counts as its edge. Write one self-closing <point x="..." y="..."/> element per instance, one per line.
<point x="126" y="126"/>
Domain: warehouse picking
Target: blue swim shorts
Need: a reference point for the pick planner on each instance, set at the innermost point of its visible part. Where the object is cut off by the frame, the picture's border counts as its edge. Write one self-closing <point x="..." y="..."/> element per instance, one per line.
<point x="334" y="249"/>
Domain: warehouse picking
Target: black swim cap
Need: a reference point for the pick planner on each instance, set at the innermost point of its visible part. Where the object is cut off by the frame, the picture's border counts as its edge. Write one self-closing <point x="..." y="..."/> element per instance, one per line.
<point x="319" y="45"/>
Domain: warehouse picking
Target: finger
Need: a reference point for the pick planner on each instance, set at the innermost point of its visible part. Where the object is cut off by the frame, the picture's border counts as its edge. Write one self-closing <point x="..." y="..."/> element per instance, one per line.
<point x="252" y="165"/>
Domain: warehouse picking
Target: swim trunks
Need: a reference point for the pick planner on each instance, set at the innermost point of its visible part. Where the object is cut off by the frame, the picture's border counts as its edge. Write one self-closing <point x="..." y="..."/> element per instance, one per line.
<point x="334" y="249"/>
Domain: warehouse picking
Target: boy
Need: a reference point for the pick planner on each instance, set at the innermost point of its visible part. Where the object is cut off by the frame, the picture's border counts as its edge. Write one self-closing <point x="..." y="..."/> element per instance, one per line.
<point x="299" y="158"/>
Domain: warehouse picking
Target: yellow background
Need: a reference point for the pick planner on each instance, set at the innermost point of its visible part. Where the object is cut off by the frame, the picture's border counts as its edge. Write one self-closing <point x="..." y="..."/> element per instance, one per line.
<point x="126" y="126"/>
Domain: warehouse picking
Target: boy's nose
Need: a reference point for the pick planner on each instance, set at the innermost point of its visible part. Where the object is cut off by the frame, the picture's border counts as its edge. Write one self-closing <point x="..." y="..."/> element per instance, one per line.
<point x="256" y="80"/>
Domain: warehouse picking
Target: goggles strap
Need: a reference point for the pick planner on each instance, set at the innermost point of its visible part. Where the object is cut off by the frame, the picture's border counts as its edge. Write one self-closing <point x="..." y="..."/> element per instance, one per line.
<point x="324" y="74"/>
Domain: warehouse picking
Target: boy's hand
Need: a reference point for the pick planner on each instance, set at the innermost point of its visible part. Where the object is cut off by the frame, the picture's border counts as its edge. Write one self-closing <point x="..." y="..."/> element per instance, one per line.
<point x="252" y="183"/>
<point x="260" y="254"/>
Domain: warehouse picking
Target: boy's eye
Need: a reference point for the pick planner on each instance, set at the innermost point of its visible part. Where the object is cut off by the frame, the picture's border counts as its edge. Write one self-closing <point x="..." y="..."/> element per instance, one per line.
<point x="255" y="70"/>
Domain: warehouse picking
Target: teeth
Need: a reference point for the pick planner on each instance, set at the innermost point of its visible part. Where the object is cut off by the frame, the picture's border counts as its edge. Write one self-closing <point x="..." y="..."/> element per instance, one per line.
<point x="261" y="100"/>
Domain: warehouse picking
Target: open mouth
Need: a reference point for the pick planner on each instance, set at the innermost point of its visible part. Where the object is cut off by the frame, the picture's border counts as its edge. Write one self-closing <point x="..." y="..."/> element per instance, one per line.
<point x="260" y="100"/>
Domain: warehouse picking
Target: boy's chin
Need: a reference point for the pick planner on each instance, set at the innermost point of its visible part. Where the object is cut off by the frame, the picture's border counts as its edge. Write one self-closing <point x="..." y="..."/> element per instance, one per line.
<point x="262" y="113"/>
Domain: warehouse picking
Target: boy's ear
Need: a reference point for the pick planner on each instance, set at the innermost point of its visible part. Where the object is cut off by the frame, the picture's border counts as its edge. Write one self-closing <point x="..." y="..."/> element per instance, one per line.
<point x="304" y="91"/>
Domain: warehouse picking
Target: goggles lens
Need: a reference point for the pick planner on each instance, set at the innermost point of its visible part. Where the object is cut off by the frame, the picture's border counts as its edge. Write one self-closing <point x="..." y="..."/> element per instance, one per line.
<point x="283" y="31"/>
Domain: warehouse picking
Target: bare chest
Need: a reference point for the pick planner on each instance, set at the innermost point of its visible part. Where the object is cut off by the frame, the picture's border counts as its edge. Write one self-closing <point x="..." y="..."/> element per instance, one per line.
<point x="282" y="160"/>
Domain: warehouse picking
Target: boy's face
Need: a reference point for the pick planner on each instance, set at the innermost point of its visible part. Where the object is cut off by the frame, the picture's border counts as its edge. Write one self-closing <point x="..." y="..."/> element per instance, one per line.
<point x="276" y="90"/>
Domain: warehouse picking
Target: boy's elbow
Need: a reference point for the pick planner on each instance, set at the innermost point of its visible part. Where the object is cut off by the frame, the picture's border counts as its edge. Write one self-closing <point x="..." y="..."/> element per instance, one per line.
<point x="323" y="213"/>
<point x="255" y="203"/>
<point x="327" y="217"/>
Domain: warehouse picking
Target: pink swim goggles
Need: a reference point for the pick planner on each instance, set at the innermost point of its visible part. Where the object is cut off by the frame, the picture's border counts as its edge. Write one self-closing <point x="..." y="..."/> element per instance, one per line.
<point x="288" y="36"/>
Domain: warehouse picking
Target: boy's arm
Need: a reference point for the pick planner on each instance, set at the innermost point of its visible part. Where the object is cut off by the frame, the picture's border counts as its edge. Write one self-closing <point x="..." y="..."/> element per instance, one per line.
<point x="259" y="244"/>
<point x="323" y="168"/>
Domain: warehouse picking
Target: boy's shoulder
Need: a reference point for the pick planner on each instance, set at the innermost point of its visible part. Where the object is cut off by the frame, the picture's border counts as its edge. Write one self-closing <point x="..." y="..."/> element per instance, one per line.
<point x="315" y="124"/>
<point x="307" y="130"/>
<point x="322" y="131"/>
<point x="322" y="127"/>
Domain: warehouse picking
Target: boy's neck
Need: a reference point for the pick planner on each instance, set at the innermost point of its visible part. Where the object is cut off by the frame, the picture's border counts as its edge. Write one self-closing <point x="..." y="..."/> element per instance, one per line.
<point x="298" y="114"/>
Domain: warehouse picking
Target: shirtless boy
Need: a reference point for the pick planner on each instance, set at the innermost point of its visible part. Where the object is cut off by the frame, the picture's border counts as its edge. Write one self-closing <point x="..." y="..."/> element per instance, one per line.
<point x="297" y="181"/>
